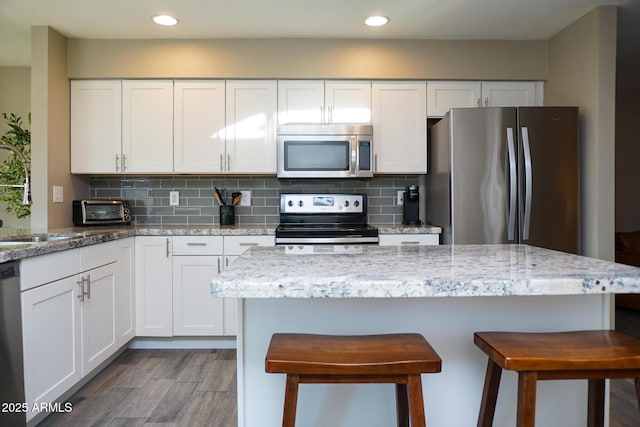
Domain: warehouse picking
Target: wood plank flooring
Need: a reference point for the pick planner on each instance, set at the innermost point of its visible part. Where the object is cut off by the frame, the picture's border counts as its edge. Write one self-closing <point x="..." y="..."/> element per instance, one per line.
<point x="192" y="388"/>
<point x="153" y="387"/>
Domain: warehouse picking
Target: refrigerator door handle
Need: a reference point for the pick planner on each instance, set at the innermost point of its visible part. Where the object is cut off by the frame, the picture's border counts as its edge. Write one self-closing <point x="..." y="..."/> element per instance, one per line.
<point x="528" y="172"/>
<point x="513" y="194"/>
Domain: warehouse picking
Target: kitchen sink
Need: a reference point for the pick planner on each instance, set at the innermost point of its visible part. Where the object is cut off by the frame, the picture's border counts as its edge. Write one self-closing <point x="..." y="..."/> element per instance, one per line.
<point x="28" y="239"/>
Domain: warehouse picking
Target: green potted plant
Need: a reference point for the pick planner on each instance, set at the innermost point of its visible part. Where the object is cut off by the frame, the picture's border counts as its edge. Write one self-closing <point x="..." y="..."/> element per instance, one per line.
<point x="12" y="169"/>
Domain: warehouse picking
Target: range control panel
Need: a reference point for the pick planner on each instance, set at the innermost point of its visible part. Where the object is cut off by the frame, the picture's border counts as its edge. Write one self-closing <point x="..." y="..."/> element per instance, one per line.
<point x="322" y="203"/>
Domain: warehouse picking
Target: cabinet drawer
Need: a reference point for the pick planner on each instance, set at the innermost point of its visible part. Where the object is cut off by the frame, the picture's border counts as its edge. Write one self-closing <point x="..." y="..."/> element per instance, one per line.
<point x="237" y="245"/>
<point x="48" y="268"/>
<point x="197" y="245"/>
<point x="409" y="239"/>
<point x="98" y="255"/>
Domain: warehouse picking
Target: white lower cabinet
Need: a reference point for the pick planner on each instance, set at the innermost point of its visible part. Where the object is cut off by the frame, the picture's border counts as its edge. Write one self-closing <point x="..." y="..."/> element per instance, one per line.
<point x="125" y="291"/>
<point x="196" y="260"/>
<point x="178" y="302"/>
<point x="98" y="308"/>
<point x="234" y="246"/>
<point x="153" y="284"/>
<point x="71" y="303"/>
<point x="51" y="335"/>
<point x="408" y="239"/>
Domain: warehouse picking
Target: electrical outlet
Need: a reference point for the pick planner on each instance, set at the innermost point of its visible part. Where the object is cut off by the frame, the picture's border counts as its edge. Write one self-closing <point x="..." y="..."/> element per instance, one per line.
<point x="174" y="198"/>
<point x="400" y="199"/>
<point x="246" y="198"/>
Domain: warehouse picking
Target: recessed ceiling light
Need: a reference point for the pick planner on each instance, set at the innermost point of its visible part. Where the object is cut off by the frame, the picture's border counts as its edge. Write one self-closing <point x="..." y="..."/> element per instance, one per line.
<point x="165" y="20"/>
<point x="376" y="21"/>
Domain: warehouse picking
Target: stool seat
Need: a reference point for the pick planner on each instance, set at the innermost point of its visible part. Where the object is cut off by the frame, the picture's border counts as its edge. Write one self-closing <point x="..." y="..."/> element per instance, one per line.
<point x="388" y="358"/>
<point x="591" y="355"/>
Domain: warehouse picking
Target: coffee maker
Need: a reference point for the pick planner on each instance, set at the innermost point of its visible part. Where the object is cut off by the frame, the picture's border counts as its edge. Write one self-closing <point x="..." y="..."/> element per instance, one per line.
<point x="410" y="206"/>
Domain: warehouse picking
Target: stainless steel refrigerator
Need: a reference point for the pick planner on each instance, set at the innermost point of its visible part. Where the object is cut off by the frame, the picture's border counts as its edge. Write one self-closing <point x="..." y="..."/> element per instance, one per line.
<point x="506" y="175"/>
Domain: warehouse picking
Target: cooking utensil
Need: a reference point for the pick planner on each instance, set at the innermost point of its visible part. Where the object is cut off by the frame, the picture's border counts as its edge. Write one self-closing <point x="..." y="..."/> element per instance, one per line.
<point x="235" y="198"/>
<point x="218" y="197"/>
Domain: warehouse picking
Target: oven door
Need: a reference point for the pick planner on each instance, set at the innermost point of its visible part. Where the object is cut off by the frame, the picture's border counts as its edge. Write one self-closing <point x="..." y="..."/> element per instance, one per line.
<point x="308" y="156"/>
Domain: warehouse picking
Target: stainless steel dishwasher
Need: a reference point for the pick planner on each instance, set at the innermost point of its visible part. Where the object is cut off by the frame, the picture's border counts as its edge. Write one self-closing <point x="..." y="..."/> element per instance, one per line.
<point x="12" y="397"/>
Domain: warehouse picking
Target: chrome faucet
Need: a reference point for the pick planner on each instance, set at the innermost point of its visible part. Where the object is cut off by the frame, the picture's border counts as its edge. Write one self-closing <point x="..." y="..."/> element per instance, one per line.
<point x="26" y="196"/>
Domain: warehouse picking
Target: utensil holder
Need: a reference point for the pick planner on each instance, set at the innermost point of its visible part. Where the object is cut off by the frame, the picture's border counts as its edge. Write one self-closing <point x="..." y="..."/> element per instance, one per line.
<point x="227" y="215"/>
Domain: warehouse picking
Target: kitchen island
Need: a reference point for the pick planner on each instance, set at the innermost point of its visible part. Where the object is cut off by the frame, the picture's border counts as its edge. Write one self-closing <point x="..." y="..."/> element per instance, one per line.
<point x="443" y="292"/>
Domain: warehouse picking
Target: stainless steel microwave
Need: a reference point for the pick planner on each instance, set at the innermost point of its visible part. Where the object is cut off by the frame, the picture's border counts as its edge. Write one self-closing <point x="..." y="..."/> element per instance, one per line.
<point x="325" y="151"/>
<point x="101" y="212"/>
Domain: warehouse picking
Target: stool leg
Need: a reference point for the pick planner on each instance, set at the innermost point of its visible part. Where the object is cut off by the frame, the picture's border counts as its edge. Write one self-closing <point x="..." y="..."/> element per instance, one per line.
<point x="402" y="405"/>
<point x="595" y="407"/>
<point x="526" y="399"/>
<point x="416" y="402"/>
<point x="290" y="401"/>
<point x="489" y="394"/>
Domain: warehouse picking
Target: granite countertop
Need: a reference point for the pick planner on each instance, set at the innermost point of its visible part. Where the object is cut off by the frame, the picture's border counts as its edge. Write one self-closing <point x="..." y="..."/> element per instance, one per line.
<point x="420" y="271"/>
<point x="84" y="236"/>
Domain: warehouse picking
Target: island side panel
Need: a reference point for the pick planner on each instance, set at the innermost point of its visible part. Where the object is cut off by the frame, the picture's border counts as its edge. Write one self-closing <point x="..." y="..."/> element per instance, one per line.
<point x="452" y="397"/>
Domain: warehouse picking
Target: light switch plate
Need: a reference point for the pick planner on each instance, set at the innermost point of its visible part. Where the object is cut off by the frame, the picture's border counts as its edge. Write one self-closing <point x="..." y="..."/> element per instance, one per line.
<point x="174" y="198"/>
<point x="246" y="198"/>
<point x="58" y="194"/>
<point x="400" y="197"/>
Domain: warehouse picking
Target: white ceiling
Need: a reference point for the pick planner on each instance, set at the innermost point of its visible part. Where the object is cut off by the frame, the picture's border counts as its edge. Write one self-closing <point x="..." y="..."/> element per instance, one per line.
<point x="205" y="19"/>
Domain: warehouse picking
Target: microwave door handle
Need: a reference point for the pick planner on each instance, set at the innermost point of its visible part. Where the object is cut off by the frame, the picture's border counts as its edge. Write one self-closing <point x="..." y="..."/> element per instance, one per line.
<point x="354" y="158"/>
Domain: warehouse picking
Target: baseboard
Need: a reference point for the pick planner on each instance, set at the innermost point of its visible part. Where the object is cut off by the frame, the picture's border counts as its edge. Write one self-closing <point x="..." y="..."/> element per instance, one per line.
<point x="182" y="343"/>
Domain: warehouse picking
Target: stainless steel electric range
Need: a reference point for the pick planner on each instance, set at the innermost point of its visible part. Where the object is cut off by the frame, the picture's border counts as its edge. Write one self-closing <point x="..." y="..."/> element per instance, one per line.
<point x="307" y="219"/>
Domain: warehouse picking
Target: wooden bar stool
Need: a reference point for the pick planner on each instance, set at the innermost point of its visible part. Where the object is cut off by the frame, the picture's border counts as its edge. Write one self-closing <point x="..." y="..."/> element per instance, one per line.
<point x="590" y="355"/>
<point x="392" y="358"/>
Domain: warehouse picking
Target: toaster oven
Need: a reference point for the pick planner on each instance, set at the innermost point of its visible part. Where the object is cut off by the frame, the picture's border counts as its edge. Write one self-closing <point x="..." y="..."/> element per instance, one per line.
<point x="101" y="212"/>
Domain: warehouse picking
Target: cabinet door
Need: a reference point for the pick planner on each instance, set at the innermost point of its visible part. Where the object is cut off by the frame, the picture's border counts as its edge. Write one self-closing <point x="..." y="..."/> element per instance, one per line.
<point x="234" y="246"/>
<point x="154" y="308"/>
<point x="51" y="340"/>
<point x="444" y="95"/>
<point x="347" y="102"/>
<point x="147" y="126"/>
<point x="300" y="101"/>
<point x="400" y="126"/>
<point x="96" y="126"/>
<point x="125" y="298"/>
<point x="199" y="121"/>
<point x="251" y="126"/>
<point x="98" y="317"/>
<point x="195" y="311"/>
<point x="509" y="94"/>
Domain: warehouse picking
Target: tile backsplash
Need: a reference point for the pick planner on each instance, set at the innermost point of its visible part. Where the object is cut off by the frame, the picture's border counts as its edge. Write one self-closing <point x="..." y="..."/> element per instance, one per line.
<point x="149" y="196"/>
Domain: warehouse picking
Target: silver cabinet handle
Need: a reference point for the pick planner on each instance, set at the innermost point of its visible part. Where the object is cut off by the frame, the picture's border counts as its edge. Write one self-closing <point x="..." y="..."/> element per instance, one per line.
<point x="88" y="286"/>
<point x="124" y="163"/>
<point x="117" y="163"/>
<point x="218" y="265"/>
<point x="249" y="244"/>
<point x="168" y="247"/>
<point x="486" y="101"/>
<point x="321" y="114"/>
<point x="409" y="243"/>
<point x="196" y="244"/>
<point x="221" y="163"/>
<point x="330" y="114"/>
<point x="226" y="261"/>
<point x="228" y="162"/>
<point x="512" y="201"/>
<point x="81" y="284"/>
<point x="528" y="185"/>
<point x="479" y="102"/>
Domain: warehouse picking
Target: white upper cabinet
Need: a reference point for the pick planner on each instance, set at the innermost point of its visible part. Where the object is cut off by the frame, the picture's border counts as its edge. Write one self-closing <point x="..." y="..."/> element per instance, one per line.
<point x="147" y="126"/>
<point x="444" y="95"/>
<point x="509" y="94"/>
<point x="250" y="130"/>
<point x="199" y="121"/>
<point x="318" y="101"/>
<point x="399" y="115"/>
<point x="96" y="126"/>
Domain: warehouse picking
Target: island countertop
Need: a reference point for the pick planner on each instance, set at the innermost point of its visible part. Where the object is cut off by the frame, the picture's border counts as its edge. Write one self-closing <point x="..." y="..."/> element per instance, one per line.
<point x="419" y="271"/>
